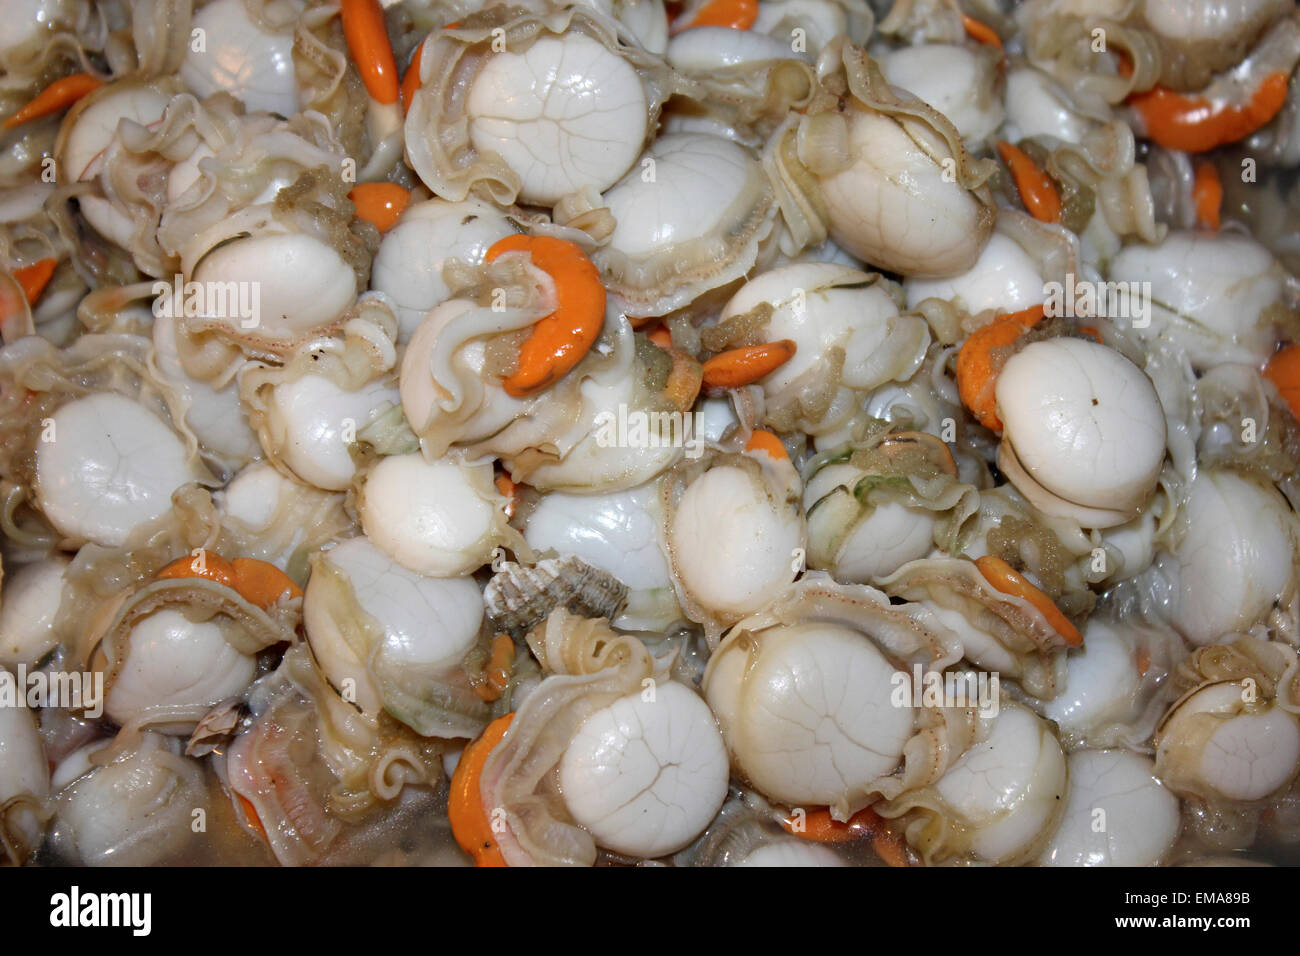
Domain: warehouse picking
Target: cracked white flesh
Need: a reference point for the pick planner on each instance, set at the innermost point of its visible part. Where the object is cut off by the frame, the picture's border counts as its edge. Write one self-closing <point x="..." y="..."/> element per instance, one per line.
<point x="1208" y="291"/>
<point x="1117" y="813"/>
<point x="894" y="208"/>
<point x="1004" y="278"/>
<point x="791" y="853"/>
<point x="565" y="114"/>
<point x="1252" y="755"/>
<point x="684" y="195"/>
<point x="645" y="777"/>
<point x="1007" y="787"/>
<point x="430" y="622"/>
<point x="949" y="78"/>
<point x="1084" y="422"/>
<point x="809" y="721"/>
<point x="31" y="600"/>
<point x="1236" y="559"/>
<point x="732" y="547"/>
<point x="817" y="317"/>
<point x="434" y="518"/>
<point x="317" y="421"/>
<point x="1246" y="756"/>
<point x="1101" y="678"/>
<point x="240" y="59"/>
<point x="171" y="660"/>
<point x="111" y="466"/>
<point x="408" y="265"/>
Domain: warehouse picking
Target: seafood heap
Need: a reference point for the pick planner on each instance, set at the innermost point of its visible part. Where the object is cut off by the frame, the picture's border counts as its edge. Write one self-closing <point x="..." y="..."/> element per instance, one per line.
<point x="629" y="432"/>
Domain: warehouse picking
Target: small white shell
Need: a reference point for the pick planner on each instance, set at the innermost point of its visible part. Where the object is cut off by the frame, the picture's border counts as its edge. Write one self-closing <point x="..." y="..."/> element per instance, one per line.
<point x="518" y="598"/>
